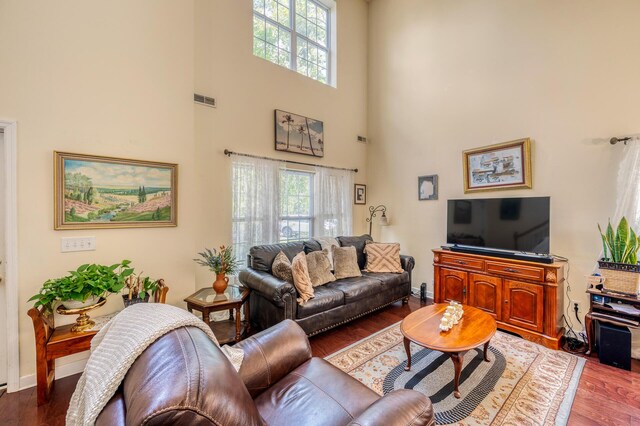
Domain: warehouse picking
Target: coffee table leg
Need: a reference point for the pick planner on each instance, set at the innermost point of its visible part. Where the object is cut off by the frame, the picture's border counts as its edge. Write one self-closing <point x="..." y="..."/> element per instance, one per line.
<point x="457" y="359"/>
<point x="407" y="348"/>
<point x="486" y="351"/>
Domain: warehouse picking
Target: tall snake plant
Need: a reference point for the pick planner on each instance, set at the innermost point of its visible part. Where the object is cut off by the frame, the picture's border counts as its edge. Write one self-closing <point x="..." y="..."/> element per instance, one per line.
<point x="622" y="245"/>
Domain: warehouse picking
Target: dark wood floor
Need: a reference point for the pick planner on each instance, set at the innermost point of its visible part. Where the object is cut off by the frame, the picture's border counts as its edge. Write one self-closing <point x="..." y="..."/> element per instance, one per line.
<point x="605" y="396"/>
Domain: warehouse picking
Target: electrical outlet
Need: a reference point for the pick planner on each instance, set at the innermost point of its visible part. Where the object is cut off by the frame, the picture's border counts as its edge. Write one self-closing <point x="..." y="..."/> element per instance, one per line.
<point x="69" y="244"/>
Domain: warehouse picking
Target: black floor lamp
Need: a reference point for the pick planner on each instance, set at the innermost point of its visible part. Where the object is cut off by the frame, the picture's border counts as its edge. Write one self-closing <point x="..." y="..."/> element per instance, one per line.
<point x="372" y="213"/>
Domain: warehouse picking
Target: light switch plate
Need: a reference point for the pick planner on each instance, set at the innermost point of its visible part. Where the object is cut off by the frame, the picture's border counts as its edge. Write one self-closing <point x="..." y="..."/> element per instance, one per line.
<point x="69" y="244"/>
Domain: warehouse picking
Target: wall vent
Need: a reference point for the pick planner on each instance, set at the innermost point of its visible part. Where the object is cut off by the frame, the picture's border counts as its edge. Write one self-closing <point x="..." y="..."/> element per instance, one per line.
<point x="362" y="139"/>
<point x="205" y="100"/>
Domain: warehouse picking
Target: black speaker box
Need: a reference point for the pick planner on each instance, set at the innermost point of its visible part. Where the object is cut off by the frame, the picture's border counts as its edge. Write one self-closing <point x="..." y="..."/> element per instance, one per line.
<point x="615" y="346"/>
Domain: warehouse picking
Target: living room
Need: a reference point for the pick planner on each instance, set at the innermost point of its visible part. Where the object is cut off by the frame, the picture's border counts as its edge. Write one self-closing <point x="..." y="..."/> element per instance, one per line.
<point x="421" y="81"/>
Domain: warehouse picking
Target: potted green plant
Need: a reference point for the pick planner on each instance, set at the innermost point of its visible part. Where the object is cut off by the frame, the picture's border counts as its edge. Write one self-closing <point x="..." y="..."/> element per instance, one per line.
<point x="138" y="289"/>
<point x="222" y="263"/>
<point x="619" y="264"/>
<point x="82" y="287"/>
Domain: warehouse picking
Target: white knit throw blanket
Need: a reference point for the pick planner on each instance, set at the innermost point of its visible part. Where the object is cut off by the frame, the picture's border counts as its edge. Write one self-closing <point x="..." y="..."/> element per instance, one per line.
<point x="116" y="347"/>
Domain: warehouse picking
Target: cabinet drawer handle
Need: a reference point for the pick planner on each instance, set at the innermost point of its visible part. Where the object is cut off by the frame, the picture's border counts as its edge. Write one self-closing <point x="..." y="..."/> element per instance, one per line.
<point x="513" y="271"/>
<point x="461" y="262"/>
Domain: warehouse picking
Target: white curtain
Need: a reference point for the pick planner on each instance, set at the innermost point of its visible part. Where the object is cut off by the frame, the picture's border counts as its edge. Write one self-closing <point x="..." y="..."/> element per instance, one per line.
<point x="628" y="187"/>
<point x="255" y="188"/>
<point x="333" y="213"/>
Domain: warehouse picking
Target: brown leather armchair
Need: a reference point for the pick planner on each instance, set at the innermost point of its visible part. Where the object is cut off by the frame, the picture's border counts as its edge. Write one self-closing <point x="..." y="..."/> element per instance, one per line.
<point x="184" y="379"/>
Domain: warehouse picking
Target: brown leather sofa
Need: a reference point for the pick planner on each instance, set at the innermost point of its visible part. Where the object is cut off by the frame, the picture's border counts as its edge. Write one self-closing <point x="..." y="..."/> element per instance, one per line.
<point x="273" y="300"/>
<point x="184" y="379"/>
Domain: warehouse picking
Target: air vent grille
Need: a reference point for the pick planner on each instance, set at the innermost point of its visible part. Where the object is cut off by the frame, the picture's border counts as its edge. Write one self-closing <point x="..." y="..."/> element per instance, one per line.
<point x="204" y="100"/>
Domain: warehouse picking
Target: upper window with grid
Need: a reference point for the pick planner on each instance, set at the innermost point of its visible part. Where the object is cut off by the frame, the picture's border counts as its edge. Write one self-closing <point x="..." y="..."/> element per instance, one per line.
<point x="295" y="34"/>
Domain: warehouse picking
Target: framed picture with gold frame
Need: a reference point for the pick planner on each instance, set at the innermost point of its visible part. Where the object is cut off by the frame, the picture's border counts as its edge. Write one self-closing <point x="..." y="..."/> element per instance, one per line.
<point x="501" y="166"/>
<point x="106" y="192"/>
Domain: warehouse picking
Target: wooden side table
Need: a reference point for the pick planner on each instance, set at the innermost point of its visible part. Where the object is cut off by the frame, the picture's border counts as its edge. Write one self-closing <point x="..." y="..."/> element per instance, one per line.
<point x="235" y="297"/>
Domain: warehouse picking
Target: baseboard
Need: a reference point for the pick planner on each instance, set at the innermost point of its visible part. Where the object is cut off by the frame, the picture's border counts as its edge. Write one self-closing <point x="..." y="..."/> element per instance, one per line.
<point x="63" y="370"/>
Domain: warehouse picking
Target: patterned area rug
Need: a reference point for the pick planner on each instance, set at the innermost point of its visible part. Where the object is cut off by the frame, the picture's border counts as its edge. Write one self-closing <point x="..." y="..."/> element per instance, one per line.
<point x="523" y="384"/>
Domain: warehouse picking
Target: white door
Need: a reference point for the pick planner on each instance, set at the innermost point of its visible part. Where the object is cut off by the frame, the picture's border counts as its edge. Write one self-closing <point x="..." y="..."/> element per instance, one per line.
<point x="3" y="304"/>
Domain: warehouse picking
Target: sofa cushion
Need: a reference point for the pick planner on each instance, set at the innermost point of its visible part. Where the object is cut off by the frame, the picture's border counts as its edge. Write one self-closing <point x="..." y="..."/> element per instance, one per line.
<point x="388" y="278"/>
<point x="301" y="279"/>
<point x="319" y="268"/>
<point x="358" y="243"/>
<point x="383" y="257"/>
<point x="311" y="246"/>
<point x="357" y="288"/>
<point x="345" y="262"/>
<point x="262" y="257"/>
<point x="316" y="393"/>
<point x="281" y="268"/>
<point x="324" y="298"/>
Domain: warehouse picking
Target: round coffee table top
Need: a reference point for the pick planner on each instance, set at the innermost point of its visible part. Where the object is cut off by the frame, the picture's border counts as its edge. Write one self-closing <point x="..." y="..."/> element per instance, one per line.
<point x="474" y="329"/>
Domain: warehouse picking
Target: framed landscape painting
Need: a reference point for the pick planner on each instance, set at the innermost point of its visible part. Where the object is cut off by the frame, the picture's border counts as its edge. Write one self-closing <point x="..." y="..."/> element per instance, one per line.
<point x="501" y="166"/>
<point x="105" y="192"/>
<point x="298" y="134"/>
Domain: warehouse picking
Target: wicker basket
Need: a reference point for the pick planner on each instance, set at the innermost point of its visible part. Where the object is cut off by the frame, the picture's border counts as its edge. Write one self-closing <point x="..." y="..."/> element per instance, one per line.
<point x="620" y="277"/>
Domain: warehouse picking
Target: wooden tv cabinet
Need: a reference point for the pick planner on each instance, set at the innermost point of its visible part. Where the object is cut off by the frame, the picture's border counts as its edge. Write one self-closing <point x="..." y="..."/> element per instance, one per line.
<point x="526" y="298"/>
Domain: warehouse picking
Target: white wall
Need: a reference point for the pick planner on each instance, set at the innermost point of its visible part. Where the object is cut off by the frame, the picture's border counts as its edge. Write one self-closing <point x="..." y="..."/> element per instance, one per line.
<point x="117" y="78"/>
<point x="447" y="76"/>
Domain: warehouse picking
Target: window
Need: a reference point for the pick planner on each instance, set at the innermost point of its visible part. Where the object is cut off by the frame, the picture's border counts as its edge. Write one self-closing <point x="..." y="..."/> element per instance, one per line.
<point x="271" y="204"/>
<point x="294" y="34"/>
<point x="296" y="205"/>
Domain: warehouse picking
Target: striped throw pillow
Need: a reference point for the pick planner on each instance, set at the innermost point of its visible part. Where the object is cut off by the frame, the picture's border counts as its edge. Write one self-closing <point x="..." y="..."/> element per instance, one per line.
<point x="383" y="257"/>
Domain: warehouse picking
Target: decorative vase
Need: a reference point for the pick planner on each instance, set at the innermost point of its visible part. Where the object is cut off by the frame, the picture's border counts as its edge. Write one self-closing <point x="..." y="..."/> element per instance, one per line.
<point x="221" y="283"/>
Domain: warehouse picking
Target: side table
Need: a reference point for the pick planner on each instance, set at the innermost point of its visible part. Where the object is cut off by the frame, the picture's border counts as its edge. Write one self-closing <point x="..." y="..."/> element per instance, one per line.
<point x="235" y="297"/>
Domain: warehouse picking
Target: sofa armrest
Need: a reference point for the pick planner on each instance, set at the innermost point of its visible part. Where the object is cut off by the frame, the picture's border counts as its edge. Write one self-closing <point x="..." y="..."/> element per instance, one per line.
<point x="271" y="288"/>
<point x="399" y="407"/>
<point x="272" y="354"/>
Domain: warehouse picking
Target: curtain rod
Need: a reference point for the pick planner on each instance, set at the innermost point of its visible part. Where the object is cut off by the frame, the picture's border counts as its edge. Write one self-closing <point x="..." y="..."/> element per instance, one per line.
<point x="230" y="153"/>
<point x="614" y="140"/>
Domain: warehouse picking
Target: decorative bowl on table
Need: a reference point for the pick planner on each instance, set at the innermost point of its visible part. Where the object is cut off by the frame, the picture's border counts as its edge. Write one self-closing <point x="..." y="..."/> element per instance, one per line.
<point x="83" y="322"/>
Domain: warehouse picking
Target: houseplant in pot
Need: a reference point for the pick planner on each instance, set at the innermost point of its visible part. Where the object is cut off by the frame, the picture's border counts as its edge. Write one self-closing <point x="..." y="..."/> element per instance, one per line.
<point x="222" y="263"/>
<point x="138" y="289"/>
<point x="619" y="264"/>
<point x="82" y="290"/>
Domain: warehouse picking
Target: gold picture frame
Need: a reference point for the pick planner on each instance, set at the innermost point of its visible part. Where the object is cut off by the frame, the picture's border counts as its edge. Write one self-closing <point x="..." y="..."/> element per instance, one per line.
<point x="96" y="192"/>
<point x="497" y="167"/>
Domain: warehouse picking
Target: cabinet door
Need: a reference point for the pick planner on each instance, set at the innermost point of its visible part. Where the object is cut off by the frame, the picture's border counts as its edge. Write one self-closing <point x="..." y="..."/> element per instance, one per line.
<point x="485" y="293"/>
<point x="453" y="285"/>
<point x="523" y="305"/>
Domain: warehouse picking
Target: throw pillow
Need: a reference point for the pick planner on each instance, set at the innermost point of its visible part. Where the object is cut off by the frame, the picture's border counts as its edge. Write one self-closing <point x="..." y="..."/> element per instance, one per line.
<point x="358" y="243"/>
<point x="327" y="243"/>
<point x="345" y="262"/>
<point x="383" y="257"/>
<point x="301" y="279"/>
<point x="319" y="268"/>
<point x="281" y="268"/>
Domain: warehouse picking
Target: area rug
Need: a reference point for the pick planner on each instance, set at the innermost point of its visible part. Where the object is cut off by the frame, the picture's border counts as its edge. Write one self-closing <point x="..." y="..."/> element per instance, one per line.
<point x="523" y="384"/>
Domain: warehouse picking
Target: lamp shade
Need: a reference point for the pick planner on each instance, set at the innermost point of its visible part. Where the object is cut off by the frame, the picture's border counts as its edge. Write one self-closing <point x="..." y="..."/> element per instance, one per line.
<point x="384" y="220"/>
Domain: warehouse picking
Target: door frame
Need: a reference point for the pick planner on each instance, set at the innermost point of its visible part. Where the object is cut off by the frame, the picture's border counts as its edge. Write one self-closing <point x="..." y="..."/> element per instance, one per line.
<point x="10" y="147"/>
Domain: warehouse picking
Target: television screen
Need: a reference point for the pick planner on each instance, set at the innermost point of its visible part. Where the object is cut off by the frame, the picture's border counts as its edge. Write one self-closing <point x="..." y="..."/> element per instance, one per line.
<point x="518" y="224"/>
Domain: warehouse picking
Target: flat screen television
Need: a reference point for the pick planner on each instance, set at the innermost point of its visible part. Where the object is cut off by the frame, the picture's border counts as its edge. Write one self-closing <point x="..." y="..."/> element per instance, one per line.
<point x="514" y="224"/>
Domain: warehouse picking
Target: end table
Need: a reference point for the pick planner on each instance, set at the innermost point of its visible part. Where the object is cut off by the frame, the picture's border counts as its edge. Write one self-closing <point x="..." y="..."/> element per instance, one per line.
<point x="206" y="301"/>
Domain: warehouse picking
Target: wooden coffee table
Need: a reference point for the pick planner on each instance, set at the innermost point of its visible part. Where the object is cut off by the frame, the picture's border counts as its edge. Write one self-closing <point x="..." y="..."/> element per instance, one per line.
<point x="474" y="329"/>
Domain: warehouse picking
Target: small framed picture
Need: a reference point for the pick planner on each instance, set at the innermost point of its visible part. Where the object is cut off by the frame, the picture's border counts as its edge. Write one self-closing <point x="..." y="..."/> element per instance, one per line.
<point x="359" y="194"/>
<point x="428" y="187"/>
